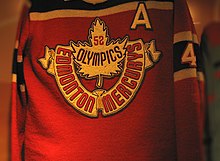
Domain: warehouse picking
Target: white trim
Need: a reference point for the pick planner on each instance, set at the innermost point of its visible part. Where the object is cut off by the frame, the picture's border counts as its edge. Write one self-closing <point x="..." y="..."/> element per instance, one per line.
<point x="22" y="87"/>
<point x="185" y="36"/>
<point x="14" y="78"/>
<point x="94" y="1"/>
<point x="16" y="44"/>
<point x="184" y="74"/>
<point x="38" y="16"/>
<point x="201" y="76"/>
<point x="19" y="58"/>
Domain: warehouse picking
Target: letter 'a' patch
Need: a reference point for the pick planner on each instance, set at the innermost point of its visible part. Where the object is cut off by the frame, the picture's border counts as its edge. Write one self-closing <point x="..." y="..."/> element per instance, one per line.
<point x="98" y="59"/>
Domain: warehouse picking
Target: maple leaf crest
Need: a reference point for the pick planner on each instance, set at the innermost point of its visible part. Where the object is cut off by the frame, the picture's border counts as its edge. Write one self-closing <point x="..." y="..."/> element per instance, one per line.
<point x="99" y="57"/>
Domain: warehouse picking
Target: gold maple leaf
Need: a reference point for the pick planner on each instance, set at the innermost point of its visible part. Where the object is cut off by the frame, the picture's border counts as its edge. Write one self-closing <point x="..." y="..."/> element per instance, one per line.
<point x="99" y="57"/>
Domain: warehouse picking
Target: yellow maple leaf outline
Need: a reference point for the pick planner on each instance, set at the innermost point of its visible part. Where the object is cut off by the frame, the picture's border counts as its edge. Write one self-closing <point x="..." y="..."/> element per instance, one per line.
<point x="108" y="42"/>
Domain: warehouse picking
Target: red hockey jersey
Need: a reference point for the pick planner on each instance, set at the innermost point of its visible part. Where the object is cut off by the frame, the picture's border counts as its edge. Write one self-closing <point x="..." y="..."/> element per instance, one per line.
<point x="116" y="80"/>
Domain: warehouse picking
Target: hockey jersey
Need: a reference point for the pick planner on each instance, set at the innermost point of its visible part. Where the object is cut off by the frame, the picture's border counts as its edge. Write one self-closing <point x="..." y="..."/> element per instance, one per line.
<point x="117" y="80"/>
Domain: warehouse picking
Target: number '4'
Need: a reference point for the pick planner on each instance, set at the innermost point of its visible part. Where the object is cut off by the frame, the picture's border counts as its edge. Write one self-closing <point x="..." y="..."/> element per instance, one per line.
<point x="188" y="56"/>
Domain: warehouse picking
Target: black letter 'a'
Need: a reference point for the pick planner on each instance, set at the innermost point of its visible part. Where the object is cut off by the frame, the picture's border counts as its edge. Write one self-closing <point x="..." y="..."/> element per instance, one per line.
<point x="141" y="17"/>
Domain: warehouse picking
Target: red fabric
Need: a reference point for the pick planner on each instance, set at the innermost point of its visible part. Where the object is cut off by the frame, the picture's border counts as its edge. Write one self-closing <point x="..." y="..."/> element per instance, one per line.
<point x="161" y="123"/>
<point x="182" y="18"/>
<point x="188" y="94"/>
<point x="68" y="134"/>
<point x="188" y="119"/>
<point x="18" y="101"/>
<point x="17" y="120"/>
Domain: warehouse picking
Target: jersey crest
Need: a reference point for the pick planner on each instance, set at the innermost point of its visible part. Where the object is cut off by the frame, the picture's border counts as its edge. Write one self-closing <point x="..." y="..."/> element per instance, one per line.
<point x="100" y="58"/>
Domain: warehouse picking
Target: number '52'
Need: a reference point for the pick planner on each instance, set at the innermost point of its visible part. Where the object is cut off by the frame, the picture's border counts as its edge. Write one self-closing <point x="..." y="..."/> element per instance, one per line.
<point x="98" y="40"/>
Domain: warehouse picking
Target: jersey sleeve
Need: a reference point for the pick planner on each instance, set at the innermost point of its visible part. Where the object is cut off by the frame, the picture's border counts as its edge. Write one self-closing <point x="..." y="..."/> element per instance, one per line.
<point x="188" y="86"/>
<point x="19" y="94"/>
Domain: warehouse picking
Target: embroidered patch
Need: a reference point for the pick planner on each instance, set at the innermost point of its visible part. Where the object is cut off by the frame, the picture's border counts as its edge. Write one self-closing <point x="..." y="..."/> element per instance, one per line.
<point x="100" y="59"/>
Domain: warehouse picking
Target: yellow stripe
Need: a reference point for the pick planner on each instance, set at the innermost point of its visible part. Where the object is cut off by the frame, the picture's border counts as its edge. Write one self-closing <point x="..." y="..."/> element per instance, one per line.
<point x="185" y="36"/>
<point x="19" y="58"/>
<point x="159" y="5"/>
<point x="14" y="78"/>
<point x="92" y="1"/>
<point x="16" y="44"/>
<point x="22" y="87"/>
<point x="200" y="76"/>
<point x="184" y="74"/>
<point x="37" y="16"/>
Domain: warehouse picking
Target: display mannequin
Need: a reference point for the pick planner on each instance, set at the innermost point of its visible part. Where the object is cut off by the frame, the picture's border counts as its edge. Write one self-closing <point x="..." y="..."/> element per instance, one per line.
<point x="210" y="47"/>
